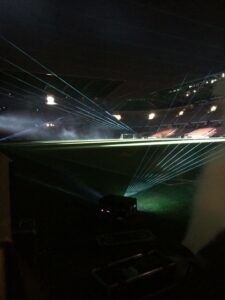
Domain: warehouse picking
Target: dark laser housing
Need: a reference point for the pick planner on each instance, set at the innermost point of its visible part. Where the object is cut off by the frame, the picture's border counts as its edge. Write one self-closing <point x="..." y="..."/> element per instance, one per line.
<point x="117" y="206"/>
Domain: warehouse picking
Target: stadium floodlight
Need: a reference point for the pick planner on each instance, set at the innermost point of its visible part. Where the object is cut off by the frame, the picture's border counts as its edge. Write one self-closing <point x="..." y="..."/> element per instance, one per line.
<point x="50" y="100"/>
<point x="151" y="116"/>
<point x="213" y="108"/>
<point x="181" y="113"/>
<point x="118" y="117"/>
<point x="213" y="80"/>
<point x="50" y="125"/>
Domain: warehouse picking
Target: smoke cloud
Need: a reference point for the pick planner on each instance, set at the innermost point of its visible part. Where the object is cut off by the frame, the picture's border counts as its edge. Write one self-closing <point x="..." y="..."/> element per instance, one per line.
<point x="66" y="134"/>
<point x="25" y="127"/>
<point x="14" y="123"/>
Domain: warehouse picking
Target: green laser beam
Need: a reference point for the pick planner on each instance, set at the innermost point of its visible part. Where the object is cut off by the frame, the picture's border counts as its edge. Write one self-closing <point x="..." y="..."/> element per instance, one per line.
<point x="50" y="85"/>
<point x="176" y="173"/>
<point x="87" y="112"/>
<point x="59" y="78"/>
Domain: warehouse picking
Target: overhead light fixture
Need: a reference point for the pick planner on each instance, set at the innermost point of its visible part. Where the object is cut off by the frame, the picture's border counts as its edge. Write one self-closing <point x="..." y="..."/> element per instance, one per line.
<point x="181" y="113"/>
<point x="213" y="108"/>
<point x="194" y="91"/>
<point x="151" y="116"/>
<point x="50" y="100"/>
<point x="50" y="125"/>
<point x="118" y="117"/>
<point x="187" y="94"/>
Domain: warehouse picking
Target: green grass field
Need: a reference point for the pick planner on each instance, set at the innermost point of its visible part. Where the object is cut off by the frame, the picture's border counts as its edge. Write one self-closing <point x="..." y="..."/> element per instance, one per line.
<point x="107" y="166"/>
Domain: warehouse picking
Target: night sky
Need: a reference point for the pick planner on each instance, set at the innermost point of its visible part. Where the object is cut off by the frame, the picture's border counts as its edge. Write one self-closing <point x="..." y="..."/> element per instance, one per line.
<point x="147" y="44"/>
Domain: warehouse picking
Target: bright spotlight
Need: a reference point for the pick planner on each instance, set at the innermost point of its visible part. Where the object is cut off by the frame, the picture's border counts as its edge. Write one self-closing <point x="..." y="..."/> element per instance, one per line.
<point x="181" y="113"/>
<point x="223" y="75"/>
<point x="213" y="108"/>
<point x="50" y="100"/>
<point x="118" y="117"/>
<point x="151" y="116"/>
<point x="50" y="125"/>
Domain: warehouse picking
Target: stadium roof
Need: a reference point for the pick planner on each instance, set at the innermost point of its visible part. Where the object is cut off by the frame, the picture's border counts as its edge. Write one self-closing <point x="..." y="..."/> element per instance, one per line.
<point x="116" y="50"/>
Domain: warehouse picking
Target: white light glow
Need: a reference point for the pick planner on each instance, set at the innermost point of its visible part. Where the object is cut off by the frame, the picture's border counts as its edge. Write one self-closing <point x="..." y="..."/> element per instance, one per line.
<point x="181" y="113"/>
<point x="213" y="108"/>
<point x="213" y="80"/>
<point x="50" y="100"/>
<point x="151" y="116"/>
<point x="118" y="117"/>
<point x="50" y="125"/>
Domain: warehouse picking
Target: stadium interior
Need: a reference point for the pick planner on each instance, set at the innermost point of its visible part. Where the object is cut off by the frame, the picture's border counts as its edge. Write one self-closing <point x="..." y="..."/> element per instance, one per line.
<point x="112" y="166"/>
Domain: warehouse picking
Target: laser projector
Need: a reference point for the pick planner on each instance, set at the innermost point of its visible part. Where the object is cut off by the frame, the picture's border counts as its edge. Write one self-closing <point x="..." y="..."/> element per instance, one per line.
<point x="116" y="206"/>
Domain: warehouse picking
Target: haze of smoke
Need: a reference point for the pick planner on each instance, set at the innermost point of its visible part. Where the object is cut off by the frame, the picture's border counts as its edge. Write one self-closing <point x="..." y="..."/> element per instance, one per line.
<point x="22" y="133"/>
<point x="13" y="123"/>
<point x="98" y="134"/>
<point x="71" y="134"/>
<point x="30" y="128"/>
<point x="66" y="134"/>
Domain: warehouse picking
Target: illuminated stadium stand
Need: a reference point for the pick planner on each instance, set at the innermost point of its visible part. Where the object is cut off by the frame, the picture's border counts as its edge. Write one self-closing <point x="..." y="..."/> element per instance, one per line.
<point x="202" y="133"/>
<point x="197" y="104"/>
